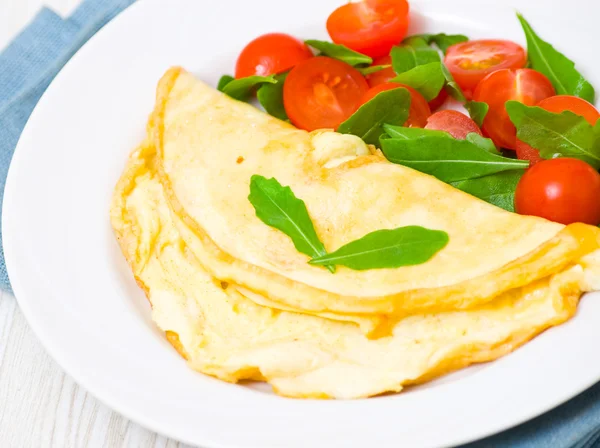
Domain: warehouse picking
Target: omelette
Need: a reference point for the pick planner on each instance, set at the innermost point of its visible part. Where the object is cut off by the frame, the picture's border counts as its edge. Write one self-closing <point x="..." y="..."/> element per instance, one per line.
<point x="208" y="148"/>
<point x="238" y="302"/>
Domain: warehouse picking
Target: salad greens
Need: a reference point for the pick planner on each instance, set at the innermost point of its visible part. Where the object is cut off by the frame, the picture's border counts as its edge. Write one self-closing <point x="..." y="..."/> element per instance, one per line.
<point x="477" y="110"/>
<point x="555" y="135"/>
<point x="270" y="96"/>
<point x="278" y="207"/>
<point x="427" y="79"/>
<point x="372" y="69"/>
<point x="390" y="106"/>
<point x="340" y="52"/>
<point x="498" y="189"/>
<point x="448" y="159"/>
<point x="444" y="41"/>
<point x="404" y="246"/>
<point x="225" y="79"/>
<point x="242" y="88"/>
<point x="559" y="69"/>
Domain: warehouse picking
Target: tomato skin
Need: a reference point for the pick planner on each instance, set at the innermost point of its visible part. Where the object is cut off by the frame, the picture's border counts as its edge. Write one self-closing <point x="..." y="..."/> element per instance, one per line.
<point x="371" y="27"/>
<point x="470" y="62"/>
<point x="374" y="79"/>
<point x="419" y="108"/>
<point x="563" y="190"/>
<point x="439" y="100"/>
<point x="558" y="104"/>
<point x="524" y="85"/>
<point x="455" y="123"/>
<point x="271" y="54"/>
<point x="321" y="93"/>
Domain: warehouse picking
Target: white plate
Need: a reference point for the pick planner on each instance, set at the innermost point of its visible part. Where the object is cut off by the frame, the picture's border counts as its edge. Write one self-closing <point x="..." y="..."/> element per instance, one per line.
<point x="79" y="296"/>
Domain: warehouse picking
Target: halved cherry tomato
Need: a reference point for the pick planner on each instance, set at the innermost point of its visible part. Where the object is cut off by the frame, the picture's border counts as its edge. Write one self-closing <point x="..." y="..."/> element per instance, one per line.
<point x="322" y="92"/>
<point x="524" y="85"/>
<point x="453" y="122"/>
<point x="374" y="79"/>
<point x="470" y="62"/>
<point x="270" y="54"/>
<point x="562" y="190"/>
<point x="370" y="27"/>
<point x="437" y="102"/>
<point x="419" y="109"/>
<point x="558" y="104"/>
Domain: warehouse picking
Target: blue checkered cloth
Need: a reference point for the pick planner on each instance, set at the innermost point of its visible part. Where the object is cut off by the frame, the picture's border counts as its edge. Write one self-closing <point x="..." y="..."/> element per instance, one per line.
<point x="32" y="60"/>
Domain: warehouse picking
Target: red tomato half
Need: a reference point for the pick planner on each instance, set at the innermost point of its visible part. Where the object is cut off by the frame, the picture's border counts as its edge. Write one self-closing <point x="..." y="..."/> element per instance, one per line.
<point x="370" y="27"/>
<point x="524" y="85"/>
<point x="322" y="92"/>
<point x="558" y="104"/>
<point x="455" y="123"/>
<point x="470" y="62"/>
<point x="270" y="54"/>
<point x="419" y="109"/>
<point x="374" y="79"/>
<point x="562" y="190"/>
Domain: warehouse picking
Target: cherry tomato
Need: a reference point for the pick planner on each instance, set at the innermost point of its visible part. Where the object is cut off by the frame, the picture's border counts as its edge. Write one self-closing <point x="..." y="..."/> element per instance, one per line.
<point x="270" y="54"/>
<point x="558" y="104"/>
<point x="524" y="85"/>
<point x="470" y="62"/>
<point x="419" y="109"/>
<point x="562" y="190"/>
<point x="370" y="27"/>
<point x="322" y="92"/>
<point x="374" y="79"/>
<point x="437" y="102"/>
<point x="453" y="122"/>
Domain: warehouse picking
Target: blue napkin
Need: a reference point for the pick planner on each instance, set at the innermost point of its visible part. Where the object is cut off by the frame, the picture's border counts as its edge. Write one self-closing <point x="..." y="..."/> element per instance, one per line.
<point x="32" y="60"/>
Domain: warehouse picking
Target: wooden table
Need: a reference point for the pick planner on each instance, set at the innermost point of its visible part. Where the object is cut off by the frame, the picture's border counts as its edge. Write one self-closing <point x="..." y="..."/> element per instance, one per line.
<point x="41" y="406"/>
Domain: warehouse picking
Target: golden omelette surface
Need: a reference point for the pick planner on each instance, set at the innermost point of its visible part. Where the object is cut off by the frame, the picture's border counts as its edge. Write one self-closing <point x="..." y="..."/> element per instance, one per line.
<point x="223" y="334"/>
<point x="201" y="135"/>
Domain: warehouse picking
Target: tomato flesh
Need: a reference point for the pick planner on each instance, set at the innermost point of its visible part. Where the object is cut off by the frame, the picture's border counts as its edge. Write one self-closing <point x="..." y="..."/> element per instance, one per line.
<point x="455" y="123"/>
<point x="419" y="108"/>
<point x="321" y="93"/>
<point x="374" y="79"/>
<point x="470" y="62"/>
<point x="563" y="190"/>
<point x="370" y="27"/>
<point x="524" y="85"/>
<point x="558" y="104"/>
<point x="270" y="54"/>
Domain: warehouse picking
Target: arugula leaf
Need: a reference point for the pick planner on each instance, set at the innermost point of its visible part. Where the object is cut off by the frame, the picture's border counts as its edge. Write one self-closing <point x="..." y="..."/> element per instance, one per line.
<point x="497" y="189"/>
<point x="448" y="159"/>
<point x="486" y="144"/>
<point x="278" y="207"/>
<point x="240" y="89"/>
<point x="404" y="246"/>
<point x="270" y="96"/>
<point x="225" y="79"/>
<point x="413" y="52"/>
<point x="444" y="41"/>
<point x="405" y="133"/>
<point x="428" y="79"/>
<point x="555" y="135"/>
<point x="559" y="69"/>
<point x="390" y="106"/>
<point x="340" y="52"/>
<point x="477" y="110"/>
<point x="372" y="69"/>
<point x="452" y="87"/>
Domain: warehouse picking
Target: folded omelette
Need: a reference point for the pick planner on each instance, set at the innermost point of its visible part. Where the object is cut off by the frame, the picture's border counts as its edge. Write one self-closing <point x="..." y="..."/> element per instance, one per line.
<point x="239" y="302"/>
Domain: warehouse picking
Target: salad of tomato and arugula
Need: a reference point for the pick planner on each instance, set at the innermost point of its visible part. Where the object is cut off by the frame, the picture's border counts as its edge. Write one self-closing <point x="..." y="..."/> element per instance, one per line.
<point x="529" y="142"/>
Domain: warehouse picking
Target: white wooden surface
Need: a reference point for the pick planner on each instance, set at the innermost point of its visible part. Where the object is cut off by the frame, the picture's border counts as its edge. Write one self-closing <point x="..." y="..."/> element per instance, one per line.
<point x="41" y="406"/>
